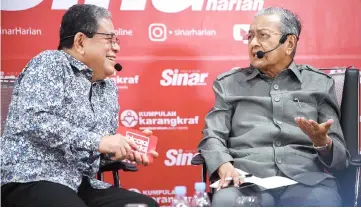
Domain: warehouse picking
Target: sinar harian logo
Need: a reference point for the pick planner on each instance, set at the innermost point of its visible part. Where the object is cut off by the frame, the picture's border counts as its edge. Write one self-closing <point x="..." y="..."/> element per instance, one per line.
<point x="129" y="118"/>
<point x="174" y="77"/>
<point x="176" y="157"/>
<point x="166" y="6"/>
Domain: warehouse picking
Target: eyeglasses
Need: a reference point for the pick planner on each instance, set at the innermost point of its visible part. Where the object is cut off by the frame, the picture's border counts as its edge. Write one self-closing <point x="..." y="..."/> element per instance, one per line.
<point x="261" y="35"/>
<point x="111" y="37"/>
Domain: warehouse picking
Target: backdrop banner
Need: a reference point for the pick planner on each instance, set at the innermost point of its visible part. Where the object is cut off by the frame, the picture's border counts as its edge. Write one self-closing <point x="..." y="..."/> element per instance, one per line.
<point x="171" y="52"/>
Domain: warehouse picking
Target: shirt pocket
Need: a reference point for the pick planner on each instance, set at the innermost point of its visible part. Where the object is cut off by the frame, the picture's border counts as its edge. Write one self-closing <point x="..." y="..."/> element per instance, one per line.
<point x="295" y="107"/>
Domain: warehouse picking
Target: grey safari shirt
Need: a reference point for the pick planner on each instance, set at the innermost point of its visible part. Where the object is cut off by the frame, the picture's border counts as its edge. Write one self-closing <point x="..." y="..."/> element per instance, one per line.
<point x="56" y="119"/>
<point x="252" y="123"/>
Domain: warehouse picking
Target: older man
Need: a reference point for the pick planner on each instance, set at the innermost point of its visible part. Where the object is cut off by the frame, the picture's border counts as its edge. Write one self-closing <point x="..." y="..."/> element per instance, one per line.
<point x="63" y="115"/>
<point x="275" y="118"/>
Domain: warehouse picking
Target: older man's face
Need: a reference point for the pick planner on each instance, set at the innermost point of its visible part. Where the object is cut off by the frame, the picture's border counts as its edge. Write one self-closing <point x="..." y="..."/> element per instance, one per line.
<point x="264" y="35"/>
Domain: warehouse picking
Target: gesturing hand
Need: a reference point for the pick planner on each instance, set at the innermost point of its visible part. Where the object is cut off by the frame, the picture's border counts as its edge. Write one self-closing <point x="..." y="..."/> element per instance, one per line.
<point x="316" y="132"/>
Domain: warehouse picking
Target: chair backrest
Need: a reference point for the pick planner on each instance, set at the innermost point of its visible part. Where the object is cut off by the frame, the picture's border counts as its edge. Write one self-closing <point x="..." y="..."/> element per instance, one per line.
<point x="339" y="84"/>
<point x="347" y="86"/>
<point x="7" y="86"/>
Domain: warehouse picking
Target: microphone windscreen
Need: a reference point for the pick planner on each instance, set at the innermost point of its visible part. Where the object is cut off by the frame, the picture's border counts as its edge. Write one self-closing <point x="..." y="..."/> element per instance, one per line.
<point x="260" y="54"/>
<point x="118" y="67"/>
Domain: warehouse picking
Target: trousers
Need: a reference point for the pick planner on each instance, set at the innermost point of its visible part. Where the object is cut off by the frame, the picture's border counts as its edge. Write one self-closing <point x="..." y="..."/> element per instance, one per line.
<point x="49" y="194"/>
<point x="300" y="195"/>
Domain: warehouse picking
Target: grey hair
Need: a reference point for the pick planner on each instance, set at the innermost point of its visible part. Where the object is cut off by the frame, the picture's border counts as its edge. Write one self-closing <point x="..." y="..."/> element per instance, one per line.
<point x="80" y="18"/>
<point x="290" y="23"/>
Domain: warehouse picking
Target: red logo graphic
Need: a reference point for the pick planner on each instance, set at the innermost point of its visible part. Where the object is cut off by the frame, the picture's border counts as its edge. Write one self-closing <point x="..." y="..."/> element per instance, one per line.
<point x="144" y="143"/>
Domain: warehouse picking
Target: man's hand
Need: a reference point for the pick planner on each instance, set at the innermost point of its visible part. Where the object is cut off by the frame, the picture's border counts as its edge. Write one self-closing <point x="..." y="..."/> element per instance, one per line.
<point x="227" y="170"/>
<point x="141" y="158"/>
<point x="316" y="132"/>
<point x="119" y="145"/>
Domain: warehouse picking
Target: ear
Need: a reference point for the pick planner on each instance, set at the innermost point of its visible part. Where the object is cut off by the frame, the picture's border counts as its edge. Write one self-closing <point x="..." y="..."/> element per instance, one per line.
<point x="79" y="40"/>
<point x="291" y="43"/>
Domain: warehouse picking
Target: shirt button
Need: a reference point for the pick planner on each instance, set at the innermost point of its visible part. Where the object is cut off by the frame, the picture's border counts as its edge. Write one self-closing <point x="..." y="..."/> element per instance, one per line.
<point x="277" y="99"/>
<point x="276" y="87"/>
<point x="278" y="160"/>
<point x="278" y="122"/>
<point x="278" y="143"/>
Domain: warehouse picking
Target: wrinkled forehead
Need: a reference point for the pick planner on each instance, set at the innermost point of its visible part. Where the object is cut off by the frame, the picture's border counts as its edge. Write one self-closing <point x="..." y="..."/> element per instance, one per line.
<point x="266" y="22"/>
<point x="105" y="25"/>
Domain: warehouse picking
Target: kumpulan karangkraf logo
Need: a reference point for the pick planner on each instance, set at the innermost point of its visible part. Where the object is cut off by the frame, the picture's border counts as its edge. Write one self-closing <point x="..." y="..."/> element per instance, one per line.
<point x="157" y="120"/>
<point x="165" y="196"/>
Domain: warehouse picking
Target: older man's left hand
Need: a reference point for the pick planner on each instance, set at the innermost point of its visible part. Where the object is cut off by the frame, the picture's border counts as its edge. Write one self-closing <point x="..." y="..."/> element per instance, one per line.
<point x="316" y="132"/>
<point x="143" y="158"/>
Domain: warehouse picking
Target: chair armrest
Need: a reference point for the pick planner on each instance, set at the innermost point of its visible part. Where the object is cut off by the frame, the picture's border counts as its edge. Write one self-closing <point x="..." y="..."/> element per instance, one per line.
<point x="119" y="165"/>
<point x="356" y="160"/>
<point x="197" y="160"/>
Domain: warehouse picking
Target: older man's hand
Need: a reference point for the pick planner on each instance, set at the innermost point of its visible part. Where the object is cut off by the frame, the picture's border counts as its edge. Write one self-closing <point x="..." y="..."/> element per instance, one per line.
<point x="316" y="132"/>
<point x="227" y="170"/>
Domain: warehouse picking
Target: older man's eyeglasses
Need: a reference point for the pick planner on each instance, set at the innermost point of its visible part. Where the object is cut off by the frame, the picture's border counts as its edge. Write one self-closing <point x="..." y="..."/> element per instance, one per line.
<point x="261" y="35"/>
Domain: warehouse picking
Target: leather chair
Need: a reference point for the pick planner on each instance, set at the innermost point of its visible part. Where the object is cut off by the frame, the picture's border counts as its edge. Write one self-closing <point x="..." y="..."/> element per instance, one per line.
<point x="347" y="84"/>
<point x="115" y="167"/>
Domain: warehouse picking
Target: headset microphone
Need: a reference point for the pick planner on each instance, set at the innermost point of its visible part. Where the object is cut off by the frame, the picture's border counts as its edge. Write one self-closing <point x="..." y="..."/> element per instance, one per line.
<point x="118" y="67"/>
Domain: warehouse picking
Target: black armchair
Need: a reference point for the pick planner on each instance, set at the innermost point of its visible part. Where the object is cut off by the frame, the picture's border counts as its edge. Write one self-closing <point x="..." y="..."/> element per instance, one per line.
<point x="347" y="91"/>
<point x="115" y="167"/>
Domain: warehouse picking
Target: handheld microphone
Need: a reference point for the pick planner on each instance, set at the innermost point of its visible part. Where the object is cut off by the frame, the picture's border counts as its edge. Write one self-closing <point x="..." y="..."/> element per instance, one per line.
<point x="118" y="67"/>
<point x="260" y="54"/>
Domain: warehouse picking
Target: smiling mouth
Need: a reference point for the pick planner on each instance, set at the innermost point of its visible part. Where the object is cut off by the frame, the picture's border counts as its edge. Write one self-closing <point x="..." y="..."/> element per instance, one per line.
<point x="111" y="58"/>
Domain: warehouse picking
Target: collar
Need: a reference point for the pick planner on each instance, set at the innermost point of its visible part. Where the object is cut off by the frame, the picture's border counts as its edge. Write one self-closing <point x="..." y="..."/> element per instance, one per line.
<point x="293" y="67"/>
<point x="253" y="72"/>
<point x="75" y="62"/>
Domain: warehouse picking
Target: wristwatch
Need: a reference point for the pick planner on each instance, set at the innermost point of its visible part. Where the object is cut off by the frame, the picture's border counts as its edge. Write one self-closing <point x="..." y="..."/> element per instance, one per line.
<point x="323" y="148"/>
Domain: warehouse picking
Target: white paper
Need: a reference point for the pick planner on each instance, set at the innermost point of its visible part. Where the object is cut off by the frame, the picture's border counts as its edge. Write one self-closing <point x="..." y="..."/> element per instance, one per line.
<point x="263" y="183"/>
<point x="275" y="182"/>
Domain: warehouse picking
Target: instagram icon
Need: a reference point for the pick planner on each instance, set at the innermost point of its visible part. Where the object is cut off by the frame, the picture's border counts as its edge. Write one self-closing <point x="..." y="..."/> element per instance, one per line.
<point x="157" y="32"/>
